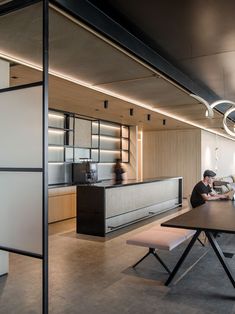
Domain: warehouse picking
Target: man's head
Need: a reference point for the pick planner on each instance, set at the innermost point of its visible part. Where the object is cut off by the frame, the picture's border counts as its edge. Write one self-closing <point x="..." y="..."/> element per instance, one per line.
<point x="208" y="176"/>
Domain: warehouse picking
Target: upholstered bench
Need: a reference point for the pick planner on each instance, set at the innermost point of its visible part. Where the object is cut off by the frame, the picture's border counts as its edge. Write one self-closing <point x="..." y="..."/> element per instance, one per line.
<point x="160" y="238"/>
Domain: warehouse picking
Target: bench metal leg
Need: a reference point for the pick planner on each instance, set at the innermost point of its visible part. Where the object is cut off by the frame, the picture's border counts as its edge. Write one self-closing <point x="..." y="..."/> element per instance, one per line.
<point x="200" y="242"/>
<point x="149" y="252"/>
<point x="161" y="262"/>
<point x="152" y="251"/>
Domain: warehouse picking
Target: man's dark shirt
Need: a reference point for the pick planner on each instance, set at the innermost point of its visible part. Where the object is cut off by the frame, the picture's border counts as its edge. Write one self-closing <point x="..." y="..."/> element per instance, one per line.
<point x="196" y="197"/>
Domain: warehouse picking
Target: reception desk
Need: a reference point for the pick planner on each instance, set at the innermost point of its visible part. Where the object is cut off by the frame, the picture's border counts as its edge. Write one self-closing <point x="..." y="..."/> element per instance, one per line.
<point x="105" y="207"/>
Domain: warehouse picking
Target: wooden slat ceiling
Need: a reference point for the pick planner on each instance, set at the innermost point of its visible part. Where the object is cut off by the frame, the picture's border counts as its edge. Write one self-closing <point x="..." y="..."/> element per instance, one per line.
<point x="80" y="54"/>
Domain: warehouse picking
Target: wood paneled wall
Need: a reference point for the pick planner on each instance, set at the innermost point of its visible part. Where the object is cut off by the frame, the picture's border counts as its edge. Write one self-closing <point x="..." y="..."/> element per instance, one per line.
<point x="173" y="153"/>
<point x="131" y="167"/>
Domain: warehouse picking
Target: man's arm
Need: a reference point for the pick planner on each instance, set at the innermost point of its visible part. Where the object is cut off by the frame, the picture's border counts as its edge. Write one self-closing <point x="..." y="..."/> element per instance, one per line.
<point x="214" y="197"/>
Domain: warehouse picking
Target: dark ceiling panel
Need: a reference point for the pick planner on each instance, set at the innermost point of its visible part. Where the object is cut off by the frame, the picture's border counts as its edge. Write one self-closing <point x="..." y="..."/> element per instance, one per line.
<point x="196" y="36"/>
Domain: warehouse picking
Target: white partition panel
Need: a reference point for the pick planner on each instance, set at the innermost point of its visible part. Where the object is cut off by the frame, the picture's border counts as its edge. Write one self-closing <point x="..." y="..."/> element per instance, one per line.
<point x="21" y="128"/>
<point x="21" y="211"/>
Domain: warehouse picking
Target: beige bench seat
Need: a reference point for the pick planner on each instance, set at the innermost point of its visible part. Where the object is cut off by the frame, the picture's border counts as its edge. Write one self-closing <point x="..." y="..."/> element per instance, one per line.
<point x="160" y="238"/>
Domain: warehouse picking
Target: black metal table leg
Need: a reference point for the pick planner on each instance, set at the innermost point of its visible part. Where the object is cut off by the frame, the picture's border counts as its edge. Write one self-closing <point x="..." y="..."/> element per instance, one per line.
<point x="182" y="258"/>
<point x="220" y="255"/>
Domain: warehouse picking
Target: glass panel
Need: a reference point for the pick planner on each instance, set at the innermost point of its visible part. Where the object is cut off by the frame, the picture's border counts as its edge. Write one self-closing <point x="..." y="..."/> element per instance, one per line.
<point x="71" y="122"/>
<point x="21" y="211"/>
<point x="109" y="156"/>
<point x="109" y="129"/>
<point x="21" y="121"/>
<point x="56" y="137"/>
<point x="125" y="132"/>
<point x="95" y="127"/>
<point x="125" y="156"/>
<point x="81" y="153"/>
<point x="69" y="154"/>
<point x="82" y="133"/>
<point x="70" y="133"/>
<point x="56" y="119"/>
<point x="95" y="155"/>
<point x="125" y="143"/>
<point x="55" y="153"/>
<point x="95" y="141"/>
<point x="70" y="136"/>
<point x="59" y="173"/>
<point x="105" y="171"/>
<point x="109" y="143"/>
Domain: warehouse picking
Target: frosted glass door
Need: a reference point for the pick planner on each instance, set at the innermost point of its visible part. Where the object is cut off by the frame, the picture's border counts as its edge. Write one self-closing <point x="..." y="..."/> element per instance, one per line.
<point x="21" y="170"/>
<point x="21" y="128"/>
<point x="21" y="211"/>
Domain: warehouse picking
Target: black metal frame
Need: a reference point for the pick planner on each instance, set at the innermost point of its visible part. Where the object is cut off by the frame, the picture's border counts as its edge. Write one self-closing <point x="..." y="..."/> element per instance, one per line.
<point x="215" y="247"/>
<point x="15" y="5"/>
<point x="154" y="253"/>
<point x="99" y="121"/>
<point x="45" y="52"/>
<point x="9" y="89"/>
<point x="5" y="9"/>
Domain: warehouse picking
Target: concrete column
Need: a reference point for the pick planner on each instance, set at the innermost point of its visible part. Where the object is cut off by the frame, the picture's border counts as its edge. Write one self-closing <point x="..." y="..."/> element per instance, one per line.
<point x="4" y="82"/>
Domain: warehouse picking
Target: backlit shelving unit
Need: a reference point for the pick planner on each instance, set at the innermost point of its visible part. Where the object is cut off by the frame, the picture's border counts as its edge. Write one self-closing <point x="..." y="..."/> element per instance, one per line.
<point x="73" y="138"/>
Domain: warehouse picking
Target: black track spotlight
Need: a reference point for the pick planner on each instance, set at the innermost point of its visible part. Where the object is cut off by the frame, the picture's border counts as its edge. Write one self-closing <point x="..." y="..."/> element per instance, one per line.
<point x="164" y="121"/>
<point x="148" y="117"/>
<point x="131" y="112"/>
<point x="106" y="104"/>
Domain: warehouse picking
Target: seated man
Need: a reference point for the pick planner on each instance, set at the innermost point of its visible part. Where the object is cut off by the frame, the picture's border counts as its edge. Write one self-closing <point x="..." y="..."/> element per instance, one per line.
<point x="202" y="191"/>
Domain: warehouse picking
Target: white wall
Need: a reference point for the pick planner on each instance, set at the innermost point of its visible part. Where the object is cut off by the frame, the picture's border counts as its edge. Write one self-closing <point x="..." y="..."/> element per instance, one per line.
<point x="217" y="153"/>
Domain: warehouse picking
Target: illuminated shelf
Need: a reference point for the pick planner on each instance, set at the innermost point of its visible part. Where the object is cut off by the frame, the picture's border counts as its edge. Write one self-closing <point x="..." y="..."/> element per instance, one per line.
<point x="107" y="139"/>
<point x="60" y="146"/>
<point x="59" y="129"/>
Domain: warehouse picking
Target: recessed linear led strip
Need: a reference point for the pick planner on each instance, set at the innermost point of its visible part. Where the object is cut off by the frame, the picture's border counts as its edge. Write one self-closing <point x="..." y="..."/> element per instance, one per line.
<point x="110" y="151"/>
<point x="56" y="116"/>
<point x="109" y="126"/>
<point x="56" y="131"/>
<point x="56" y="147"/>
<point x="112" y="94"/>
<point x="107" y="138"/>
<point x="56" y="163"/>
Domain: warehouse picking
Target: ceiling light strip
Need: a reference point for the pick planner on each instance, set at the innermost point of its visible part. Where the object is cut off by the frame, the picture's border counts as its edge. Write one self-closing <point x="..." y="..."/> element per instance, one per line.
<point x="112" y="94"/>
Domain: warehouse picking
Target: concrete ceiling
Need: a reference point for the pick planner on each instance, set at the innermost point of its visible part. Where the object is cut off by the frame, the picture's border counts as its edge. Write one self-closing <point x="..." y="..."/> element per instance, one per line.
<point x="110" y="73"/>
<point x="196" y="36"/>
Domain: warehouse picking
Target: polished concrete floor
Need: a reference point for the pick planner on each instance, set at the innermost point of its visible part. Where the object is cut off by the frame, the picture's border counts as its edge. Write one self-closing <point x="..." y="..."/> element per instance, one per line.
<point x="94" y="275"/>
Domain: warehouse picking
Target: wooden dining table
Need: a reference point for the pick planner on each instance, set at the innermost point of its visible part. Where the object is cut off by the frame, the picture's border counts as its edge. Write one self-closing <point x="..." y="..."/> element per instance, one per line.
<point x="211" y="217"/>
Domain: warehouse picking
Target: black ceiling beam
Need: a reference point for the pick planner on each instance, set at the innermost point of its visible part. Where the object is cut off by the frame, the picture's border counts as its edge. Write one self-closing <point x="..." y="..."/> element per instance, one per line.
<point x="15" y="5"/>
<point x="86" y="12"/>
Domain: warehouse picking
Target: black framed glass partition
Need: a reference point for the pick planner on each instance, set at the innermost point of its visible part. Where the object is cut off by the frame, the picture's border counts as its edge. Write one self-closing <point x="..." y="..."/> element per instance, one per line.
<point x="23" y="133"/>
